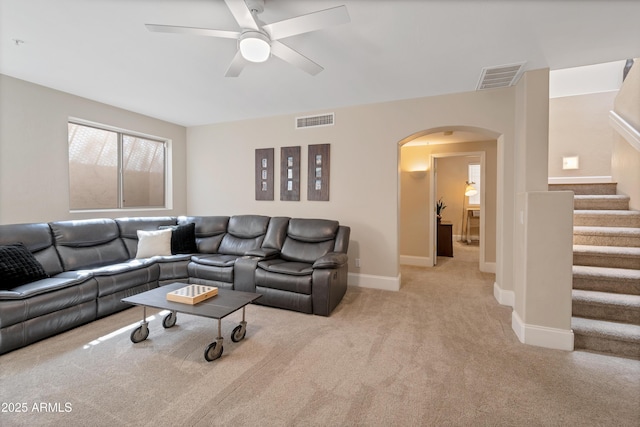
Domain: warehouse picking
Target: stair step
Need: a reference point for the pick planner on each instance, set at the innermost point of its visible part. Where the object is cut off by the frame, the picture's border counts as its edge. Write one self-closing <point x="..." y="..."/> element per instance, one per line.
<point x="606" y="218"/>
<point x="606" y="306"/>
<point x="606" y="236"/>
<point x="620" y="339"/>
<point x="614" y="280"/>
<point x="607" y="256"/>
<point x="601" y="202"/>
<point x="588" y="188"/>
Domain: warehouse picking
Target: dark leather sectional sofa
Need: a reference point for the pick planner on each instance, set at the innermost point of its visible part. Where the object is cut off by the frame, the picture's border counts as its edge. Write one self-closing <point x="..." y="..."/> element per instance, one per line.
<point x="90" y="265"/>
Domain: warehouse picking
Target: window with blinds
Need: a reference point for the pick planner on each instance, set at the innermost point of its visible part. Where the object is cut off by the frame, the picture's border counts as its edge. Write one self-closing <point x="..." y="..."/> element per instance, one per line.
<point x="113" y="169"/>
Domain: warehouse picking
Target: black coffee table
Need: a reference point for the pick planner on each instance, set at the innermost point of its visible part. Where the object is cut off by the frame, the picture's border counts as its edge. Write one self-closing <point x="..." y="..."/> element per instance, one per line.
<point x="217" y="307"/>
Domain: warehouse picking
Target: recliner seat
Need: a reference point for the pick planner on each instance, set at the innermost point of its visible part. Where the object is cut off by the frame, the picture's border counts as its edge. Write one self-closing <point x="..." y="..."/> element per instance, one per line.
<point x="310" y="271"/>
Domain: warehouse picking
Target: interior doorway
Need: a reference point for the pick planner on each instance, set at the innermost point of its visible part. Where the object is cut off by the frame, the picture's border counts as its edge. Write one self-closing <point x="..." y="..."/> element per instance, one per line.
<point x="420" y="189"/>
<point x="458" y="196"/>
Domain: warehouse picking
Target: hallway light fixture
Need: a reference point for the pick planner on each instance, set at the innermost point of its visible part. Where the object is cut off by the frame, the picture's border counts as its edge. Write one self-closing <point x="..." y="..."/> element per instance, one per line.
<point x="470" y="190"/>
<point x="417" y="174"/>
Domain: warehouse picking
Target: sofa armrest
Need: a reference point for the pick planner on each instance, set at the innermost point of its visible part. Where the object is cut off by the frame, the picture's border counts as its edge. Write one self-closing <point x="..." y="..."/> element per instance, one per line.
<point x="331" y="260"/>
<point x="329" y="286"/>
<point x="244" y="272"/>
<point x="264" y="253"/>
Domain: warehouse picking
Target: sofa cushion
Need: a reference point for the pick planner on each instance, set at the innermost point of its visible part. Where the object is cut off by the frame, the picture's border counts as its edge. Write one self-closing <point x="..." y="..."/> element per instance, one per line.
<point x="38" y="239"/>
<point x="88" y="243"/>
<point x="18" y="266"/>
<point x="248" y="226"/>
<point x="312" y="230"/>
<point x="121" y="267"/>
<point x="46" y="297"/>
<point x="209" y="231"/>
<point x="183" y="238"/>
<point x="244" y="233"/>
<point x="309" y="239"/>
<point x="47" y="285"/>
<point x="153" y="243"/>
<point x="217" y="260"/>
<point x="295" y="250"/>
<point x="129" y="227"/>
<point x="286" y="267"/>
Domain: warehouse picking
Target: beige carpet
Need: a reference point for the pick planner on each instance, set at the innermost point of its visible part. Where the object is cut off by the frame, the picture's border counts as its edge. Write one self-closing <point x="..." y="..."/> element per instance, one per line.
<point x="439" y="352"/>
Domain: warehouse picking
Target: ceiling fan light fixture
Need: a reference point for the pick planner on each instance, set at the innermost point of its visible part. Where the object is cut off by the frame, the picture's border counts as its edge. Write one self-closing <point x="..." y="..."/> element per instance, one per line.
<point x="255" y="46"/>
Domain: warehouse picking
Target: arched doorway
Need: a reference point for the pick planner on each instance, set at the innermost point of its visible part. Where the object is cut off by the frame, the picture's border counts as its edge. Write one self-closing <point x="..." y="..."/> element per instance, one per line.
<point x="418" y="157"/>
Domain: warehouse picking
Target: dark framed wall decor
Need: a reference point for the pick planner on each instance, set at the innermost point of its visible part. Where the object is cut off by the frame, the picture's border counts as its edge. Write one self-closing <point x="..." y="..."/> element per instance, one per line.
<point x="264" y="174"/>
<point x="290" y="173"/>
<point x="319" y="170"/>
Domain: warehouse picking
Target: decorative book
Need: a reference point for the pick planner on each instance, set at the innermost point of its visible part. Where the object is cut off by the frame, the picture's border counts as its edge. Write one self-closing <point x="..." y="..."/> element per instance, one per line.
<point x="192" y="294"/>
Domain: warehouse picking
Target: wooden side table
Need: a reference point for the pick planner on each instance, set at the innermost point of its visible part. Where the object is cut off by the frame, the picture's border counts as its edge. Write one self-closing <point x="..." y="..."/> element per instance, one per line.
<point x="445" y="239"/>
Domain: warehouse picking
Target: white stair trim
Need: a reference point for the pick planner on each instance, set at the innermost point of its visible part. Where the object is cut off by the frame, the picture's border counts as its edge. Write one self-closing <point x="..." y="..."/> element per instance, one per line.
<point x="580" y="180"/>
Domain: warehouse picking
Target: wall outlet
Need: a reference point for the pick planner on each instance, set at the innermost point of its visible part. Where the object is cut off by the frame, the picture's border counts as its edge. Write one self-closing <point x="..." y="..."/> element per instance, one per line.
<point x="357" y="262"/>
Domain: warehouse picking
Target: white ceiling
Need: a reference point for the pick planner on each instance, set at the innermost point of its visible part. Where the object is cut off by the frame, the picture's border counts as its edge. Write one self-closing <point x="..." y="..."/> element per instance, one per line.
<point x="100" y="49"/>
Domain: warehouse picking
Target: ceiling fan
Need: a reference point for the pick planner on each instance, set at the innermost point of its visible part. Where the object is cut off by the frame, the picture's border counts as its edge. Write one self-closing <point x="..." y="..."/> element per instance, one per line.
<point x="257" y="40"/>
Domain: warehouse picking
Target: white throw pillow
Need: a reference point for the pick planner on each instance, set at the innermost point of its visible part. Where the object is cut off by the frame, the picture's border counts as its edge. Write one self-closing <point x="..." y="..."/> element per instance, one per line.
<point x="153" y="243"/>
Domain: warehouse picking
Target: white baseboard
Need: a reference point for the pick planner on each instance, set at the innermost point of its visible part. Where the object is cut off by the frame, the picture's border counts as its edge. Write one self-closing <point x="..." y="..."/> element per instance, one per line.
<point x="580" y="179"/>
<point x="384" y="283"/>
<point x="542" y="336"/>
<point x="488" y="267"/>
<point x="503" y="297"/>
<point x="419" y="261"/>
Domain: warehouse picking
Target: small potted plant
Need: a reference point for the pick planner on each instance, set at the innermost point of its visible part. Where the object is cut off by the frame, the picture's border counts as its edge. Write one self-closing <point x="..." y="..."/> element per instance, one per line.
<point x="440" y="206"/>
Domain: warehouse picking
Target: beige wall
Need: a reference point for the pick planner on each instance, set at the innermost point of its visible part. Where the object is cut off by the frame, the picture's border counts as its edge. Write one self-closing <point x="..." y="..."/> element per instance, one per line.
<point x="625" y="166"/>
<point x="579" y="125"/>
<point x="364" y="165"/>
<point x="542" y="248"/>
<point x="627" y="103"/>
<point x="34" y="182"/>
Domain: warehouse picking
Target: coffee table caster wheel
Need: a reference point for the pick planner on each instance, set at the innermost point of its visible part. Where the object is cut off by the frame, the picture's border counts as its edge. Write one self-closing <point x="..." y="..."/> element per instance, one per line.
<point x="139" y="334"/>
<point x="238" y="333"/>
<point x="169" y="320"/>
<point x="213" y="351"/>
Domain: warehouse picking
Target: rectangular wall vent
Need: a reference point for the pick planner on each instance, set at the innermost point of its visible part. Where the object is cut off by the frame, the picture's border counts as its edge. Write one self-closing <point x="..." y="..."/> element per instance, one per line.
<point x="314" y="121"/>
<point x="500" y="76"/>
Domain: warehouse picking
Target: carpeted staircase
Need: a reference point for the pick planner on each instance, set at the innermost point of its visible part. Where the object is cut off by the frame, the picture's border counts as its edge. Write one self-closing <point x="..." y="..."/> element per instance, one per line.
<point x="606" y="270"/>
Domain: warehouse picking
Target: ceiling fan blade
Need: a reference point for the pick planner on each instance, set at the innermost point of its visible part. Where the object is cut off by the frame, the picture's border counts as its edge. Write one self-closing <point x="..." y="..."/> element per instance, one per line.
<point x="295" y="58"/>
<point x="236" y="66"/>
<point x="242" y="14"/>
<point x="307" y="23"/>
<point x="191" y="30"/>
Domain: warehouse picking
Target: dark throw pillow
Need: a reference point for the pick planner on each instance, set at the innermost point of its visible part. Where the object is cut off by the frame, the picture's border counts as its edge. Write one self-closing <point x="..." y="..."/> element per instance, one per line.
<point x="18" y="266"/>
<point x="183" y="238"/>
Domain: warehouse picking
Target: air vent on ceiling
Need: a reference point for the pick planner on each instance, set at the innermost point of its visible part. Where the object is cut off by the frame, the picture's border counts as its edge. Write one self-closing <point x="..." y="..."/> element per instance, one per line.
<point x="500" y="76"/>
<point x="314" y="121"/>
